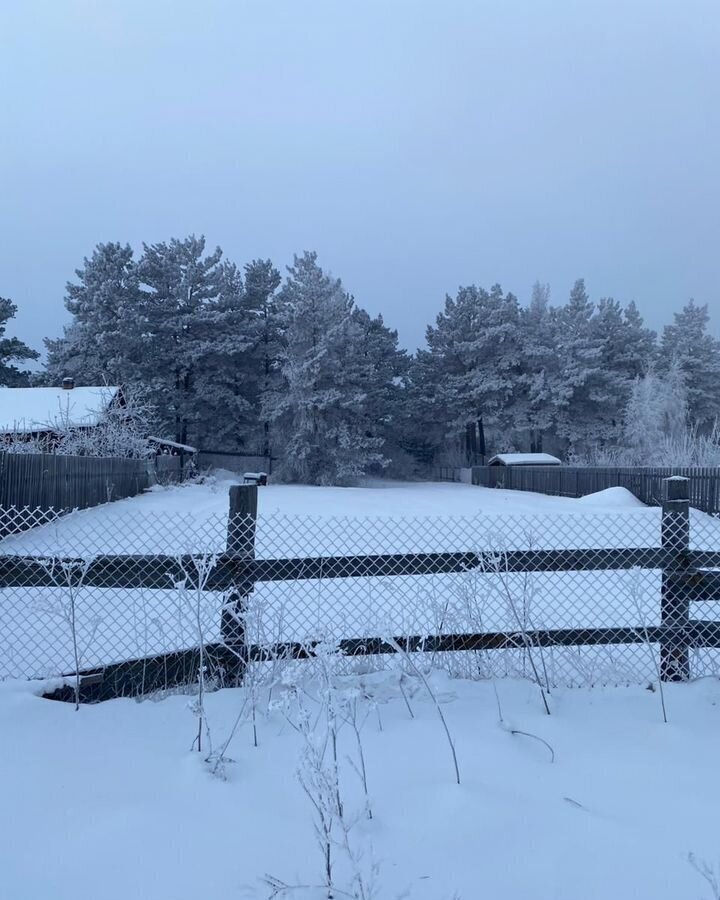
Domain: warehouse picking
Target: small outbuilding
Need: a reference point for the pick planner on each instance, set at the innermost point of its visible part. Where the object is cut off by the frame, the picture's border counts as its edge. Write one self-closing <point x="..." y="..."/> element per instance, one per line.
<point x="524" y="459"/>
<point x="166" y="447"/>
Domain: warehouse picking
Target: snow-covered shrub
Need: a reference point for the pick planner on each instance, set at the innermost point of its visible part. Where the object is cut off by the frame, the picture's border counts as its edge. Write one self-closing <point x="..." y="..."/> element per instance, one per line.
<point x="122" y="431"/>
<point x="319" y="716"/>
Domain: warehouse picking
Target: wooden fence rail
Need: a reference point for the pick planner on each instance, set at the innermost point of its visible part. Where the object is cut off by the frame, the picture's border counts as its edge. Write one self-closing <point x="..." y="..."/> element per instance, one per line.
<point x="686" y="576"/>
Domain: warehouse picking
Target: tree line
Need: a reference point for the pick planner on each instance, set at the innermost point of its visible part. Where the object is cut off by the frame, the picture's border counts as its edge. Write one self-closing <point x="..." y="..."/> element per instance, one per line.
<point x="235" y="358"/>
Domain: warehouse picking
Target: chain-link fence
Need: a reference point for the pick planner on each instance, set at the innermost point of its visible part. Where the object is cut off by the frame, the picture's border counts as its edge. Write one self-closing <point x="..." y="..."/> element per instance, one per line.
<point x="143" y="601"/>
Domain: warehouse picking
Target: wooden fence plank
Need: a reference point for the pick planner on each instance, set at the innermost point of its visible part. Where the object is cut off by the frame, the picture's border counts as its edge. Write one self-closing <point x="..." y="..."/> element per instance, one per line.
<point x="438" y="563"/>
<point x="48" y="481"/>
<point x="163" y="671"/>
<point x="577" y="481"/>
<point x="159" y="571"/>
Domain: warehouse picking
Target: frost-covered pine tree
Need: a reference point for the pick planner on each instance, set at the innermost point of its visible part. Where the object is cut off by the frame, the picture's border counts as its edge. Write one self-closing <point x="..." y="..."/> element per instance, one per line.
<point x="538" y="387"/>
<point x="240" y="364"/>
<point x="626" y="353"/>
<point x="474" y="350"/>
<point x="183" y="312"/>
<point x="178" y="324"/>
<point x="222" y="400"/>
<point x="380" y="366"/>
<point x="639" y="353"/>
<point x="586" y="386"/>
<point x="423" y="424"/>
<point x="12" y="350"/>
<point x="267" y="321"/>
<point x="102" y="343"/>
<point x="687" y="344"/>
<point x="319" y="416"/>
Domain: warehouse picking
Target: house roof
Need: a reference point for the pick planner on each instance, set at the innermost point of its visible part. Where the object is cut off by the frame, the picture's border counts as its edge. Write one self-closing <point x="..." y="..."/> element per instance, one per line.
<point x="524" y="459"/>
<point x="28" y="410"/>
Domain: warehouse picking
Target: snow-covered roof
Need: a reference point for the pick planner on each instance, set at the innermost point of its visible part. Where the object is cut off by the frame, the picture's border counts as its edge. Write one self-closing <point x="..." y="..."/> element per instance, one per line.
<point x="524" y="459"/>
<point x="164" y="442"/>
<point x="27" y="410"/>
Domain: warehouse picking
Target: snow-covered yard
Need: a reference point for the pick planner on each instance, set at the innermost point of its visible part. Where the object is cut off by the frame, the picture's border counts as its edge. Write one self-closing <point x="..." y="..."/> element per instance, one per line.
<point x="600" y="799"/>
<point x="202" y="509"/>
<point x="109" y="803"/>
<point x="383" y="517"/>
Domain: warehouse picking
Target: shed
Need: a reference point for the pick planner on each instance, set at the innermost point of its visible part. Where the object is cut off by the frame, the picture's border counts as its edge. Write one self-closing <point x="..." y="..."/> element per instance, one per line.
<point x="166" y="447"/>
<point x="524" y="459"/>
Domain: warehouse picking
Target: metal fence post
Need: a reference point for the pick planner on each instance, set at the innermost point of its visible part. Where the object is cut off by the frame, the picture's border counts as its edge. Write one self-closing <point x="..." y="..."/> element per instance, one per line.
<point x="242" y="517"/>
<point x="674" y="602"/>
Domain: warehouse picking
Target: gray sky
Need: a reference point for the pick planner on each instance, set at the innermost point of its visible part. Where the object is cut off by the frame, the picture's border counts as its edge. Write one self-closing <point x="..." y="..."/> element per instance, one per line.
<point x="415" y="145"/>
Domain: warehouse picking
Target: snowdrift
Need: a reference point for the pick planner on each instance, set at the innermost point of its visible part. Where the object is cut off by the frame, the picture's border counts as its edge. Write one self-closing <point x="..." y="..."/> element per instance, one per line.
<point x="612" y="498"/>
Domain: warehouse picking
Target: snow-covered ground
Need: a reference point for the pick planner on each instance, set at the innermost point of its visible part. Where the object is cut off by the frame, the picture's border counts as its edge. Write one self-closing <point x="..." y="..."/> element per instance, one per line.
<point x="109" y="803"/>
<point x="380" y="518"/>
<point x="600" y="799"/>
<point x="168" y="519"/>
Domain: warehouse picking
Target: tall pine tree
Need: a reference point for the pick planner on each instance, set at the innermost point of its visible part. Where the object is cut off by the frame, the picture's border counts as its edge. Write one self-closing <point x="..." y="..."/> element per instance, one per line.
<point x="181" y="286"/>
<point x="12" y="350"/>
<point x="687" y="344"/>
<point x="474" y="358"/>
<point x="103" y="341"/>
<point x="587" y="394"/>
<point x="538" y="386"/>
<point x="319" y="416"/>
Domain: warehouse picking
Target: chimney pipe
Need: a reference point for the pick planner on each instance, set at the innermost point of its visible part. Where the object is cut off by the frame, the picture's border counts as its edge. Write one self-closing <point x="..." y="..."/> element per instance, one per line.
<point x="68" y="384"/>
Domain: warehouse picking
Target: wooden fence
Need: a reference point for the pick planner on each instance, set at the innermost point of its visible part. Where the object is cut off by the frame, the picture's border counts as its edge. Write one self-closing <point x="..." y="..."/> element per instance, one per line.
<point x="170" y="469"/>
<point x="685" y="578"/>
<point x="48" y="481"/>
<point x="577" y="481"/>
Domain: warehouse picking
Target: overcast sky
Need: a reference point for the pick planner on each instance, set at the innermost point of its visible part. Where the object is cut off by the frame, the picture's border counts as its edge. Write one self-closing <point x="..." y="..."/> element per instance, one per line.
<point x="415" y="145"/>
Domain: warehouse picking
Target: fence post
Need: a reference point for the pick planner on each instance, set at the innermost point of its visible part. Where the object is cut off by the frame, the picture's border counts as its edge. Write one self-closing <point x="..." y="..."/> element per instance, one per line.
<point x="674" y="603"/>
<point x="242" y="517"/>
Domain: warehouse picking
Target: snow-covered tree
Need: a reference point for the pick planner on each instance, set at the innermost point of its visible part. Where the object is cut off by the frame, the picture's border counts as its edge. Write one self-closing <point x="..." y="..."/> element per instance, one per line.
<point x="232" y="360"/>
<point x="473" y="363"/>
<point x="102" y="342"/>
<point x="587" y="391"/>
<point x="379" y="367"/>
<point x="320" y="416"/>
<point x="687" y="344"/>
<point x="538" y="386"/>
<point x="179" y="323"/>
<point x="190" y="328"/>
<point x="267" y="322"/>
<point x="639" y="352"/>
<point x="12" y="350"/>
<point x="222" y="401"/>
<point x="656" y="412"/>
<point x="626" y="353"/>
<point x="422" y="426"/>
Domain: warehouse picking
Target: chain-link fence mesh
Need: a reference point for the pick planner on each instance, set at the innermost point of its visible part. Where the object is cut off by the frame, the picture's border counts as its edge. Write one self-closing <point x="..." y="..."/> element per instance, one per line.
<point x="83" y="592"/>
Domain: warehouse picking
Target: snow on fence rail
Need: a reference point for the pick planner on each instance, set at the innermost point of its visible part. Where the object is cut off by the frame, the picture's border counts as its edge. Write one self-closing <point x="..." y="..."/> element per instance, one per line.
<point x="577" y="481"/>
<point x="575" y="599"/>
